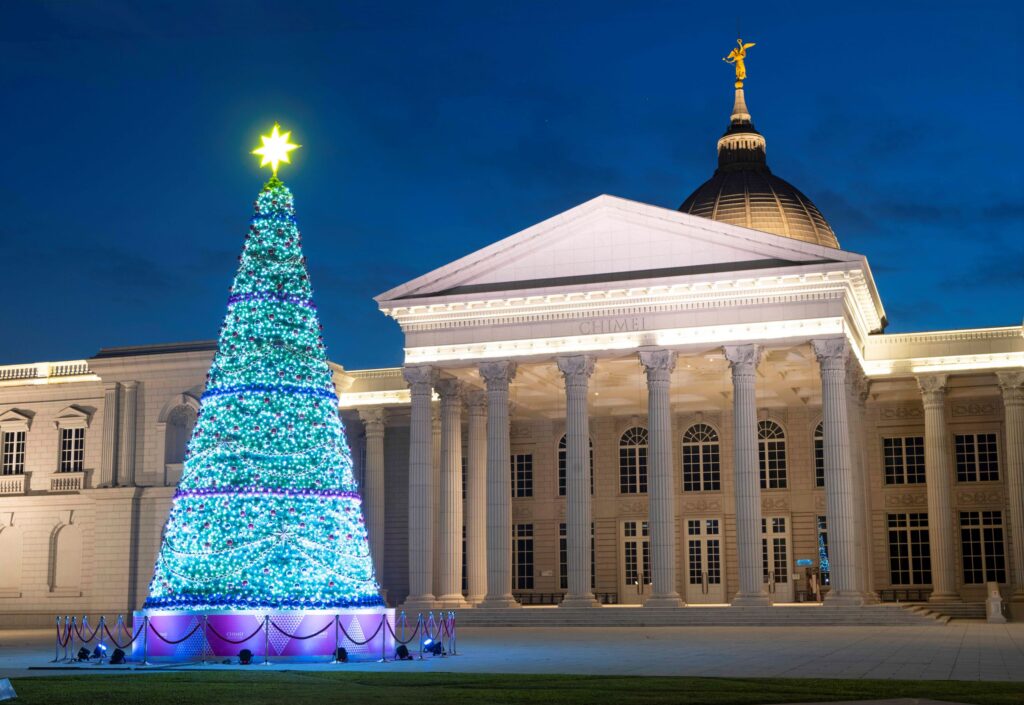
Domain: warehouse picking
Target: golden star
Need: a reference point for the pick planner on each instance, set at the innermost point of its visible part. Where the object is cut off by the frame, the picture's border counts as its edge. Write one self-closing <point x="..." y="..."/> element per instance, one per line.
<point x="275" y="148"/>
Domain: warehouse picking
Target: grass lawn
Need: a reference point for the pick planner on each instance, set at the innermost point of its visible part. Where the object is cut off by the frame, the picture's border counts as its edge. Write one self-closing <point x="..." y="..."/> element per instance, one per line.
<point x="298" y="688"/>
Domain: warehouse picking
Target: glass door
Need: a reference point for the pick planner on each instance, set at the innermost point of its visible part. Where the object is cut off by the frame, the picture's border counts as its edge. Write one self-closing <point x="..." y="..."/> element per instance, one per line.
<point x="775" y="558"/>
<point x="705" y="582"/>
<point x="635" y="581"/>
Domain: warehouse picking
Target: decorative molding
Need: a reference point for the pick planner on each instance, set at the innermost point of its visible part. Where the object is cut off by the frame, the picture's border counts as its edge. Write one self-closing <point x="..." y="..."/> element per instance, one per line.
<point x="576" y="369"/>
<point x="498" y="373"/>
<point x="522" y="511"/>
<point x="73" y="416"/>
<point x="819" y="502"/>
<point x="16" y="420"/>
<point x="831" y="353"/>
<point x="769" y="504"/>
<point x="906" y="499"/>
<point x="65" y="517"/>
<point x="974" y="408"/>
<point x="702" y="505"/>
<point x="900" y="413"/>
<point x="6" y="520"/>
<point x="981" y="496"/>
<point x="631" y="508"/>
<point x="178" y="400"/>
<point x="450" y="390"/>
<point x="744" y="358"/>
<point x="419" y="378"/>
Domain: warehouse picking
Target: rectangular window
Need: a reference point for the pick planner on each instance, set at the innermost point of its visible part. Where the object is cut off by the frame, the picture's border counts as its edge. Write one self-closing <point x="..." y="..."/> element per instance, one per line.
<point x="72" y="450"/>
<point x="522" y="556"/>
<point x="522" y="475"/>
<point x="910" y="562"/>
<point x="977" y="459"/>
<point x="465" y="472"/>
<point x="701" y="467"/>
<point x="563" y="558"/>
<point x="904" y="460"/>
<point x="981" y="542"/>
<point x="13" y="458"/>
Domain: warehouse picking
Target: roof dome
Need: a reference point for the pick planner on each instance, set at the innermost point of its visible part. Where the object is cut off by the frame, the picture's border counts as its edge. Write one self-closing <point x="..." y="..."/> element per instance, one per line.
<point x="743" y="190"/>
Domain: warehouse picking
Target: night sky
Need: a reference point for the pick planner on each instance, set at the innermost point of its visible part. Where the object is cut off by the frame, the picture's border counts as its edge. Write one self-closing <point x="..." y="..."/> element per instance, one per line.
<point x="430" y="130"/>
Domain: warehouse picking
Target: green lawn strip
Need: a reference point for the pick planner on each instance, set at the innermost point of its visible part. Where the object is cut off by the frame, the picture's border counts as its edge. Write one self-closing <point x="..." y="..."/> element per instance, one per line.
<point x="300" y="687"/>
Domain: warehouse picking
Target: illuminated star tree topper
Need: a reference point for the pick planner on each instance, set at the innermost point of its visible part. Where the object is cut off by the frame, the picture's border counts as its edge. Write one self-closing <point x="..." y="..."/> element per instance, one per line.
<point x="275" y="149"/>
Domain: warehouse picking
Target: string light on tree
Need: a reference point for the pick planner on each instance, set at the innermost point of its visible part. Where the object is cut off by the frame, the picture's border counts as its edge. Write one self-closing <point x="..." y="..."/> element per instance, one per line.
<point x="267" y="513"/>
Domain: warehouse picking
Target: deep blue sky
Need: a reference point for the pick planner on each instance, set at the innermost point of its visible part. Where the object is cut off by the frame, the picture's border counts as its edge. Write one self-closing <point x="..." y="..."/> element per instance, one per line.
<point x="433" y="129"/>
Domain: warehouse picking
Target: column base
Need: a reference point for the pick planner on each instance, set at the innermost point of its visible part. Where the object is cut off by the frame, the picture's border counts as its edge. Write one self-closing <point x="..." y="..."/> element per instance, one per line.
<point x="474" y="600"/>
<point x="499" y="602"/>
<point x="454" y="601"/>
<point x="670" y="600"/>
<point x="757" y="599"/>
<point x="419" y="603"/>
<point x="946" y="597"/>
<point x="585" y="601"/>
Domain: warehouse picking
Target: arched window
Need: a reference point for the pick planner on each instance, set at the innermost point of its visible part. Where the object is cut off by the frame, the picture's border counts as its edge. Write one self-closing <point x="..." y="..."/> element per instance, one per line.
<point x="11" y="550"/>
<point x="633" y="461"/>
<point x="819" y="454"/>
<point x="701" y="459"/>
<point x="563" y="458"/>
<point x="180" y="422"/>
<point x="66" y="568"/>
<point x="771" y="446"/>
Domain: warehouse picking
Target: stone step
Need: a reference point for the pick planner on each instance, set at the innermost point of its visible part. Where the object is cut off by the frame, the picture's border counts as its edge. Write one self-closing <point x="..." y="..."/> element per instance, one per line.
<point x="951" y="610"/>
<point x="871" y="615"/>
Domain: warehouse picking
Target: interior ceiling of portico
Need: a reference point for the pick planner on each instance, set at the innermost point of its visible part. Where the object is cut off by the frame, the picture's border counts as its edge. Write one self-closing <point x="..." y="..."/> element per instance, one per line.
<point x="701" y="382"/>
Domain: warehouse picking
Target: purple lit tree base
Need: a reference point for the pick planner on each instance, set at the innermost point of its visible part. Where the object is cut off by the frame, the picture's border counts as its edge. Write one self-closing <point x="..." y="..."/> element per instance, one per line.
<point x="270" y="635"/>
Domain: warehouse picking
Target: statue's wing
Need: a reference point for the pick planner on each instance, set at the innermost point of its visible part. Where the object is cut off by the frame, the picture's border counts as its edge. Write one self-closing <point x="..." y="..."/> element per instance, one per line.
<point x="747" y="46"/>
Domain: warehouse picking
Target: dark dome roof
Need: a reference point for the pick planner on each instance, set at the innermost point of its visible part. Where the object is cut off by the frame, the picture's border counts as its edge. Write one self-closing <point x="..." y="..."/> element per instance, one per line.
<point x="743" y="190"/>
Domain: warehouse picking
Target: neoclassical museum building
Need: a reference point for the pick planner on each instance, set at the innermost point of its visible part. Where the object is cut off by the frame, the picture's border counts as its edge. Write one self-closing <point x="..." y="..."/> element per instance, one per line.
<point x="622" y="404"/>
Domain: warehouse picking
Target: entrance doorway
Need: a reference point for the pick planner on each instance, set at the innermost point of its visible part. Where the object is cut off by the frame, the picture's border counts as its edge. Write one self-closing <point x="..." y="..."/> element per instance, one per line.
<point x="705" y="582"/>
<point x="775" y="558"/>
<point x="635" y="584"/>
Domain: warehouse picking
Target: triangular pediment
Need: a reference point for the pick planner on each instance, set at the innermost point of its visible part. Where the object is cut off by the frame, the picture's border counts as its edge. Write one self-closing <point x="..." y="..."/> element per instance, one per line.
<point x="611" y="240"/>
<point x="15" y="419"/>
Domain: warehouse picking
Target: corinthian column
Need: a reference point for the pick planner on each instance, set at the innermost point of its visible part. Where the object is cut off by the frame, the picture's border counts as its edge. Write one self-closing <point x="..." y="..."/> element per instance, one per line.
<point x="1012" y="384"/>
<point x="840" y="501"/>
<point x="435" y="440"/>
<point x="497" y="376"/>
<point x="743" y="360"/>
<point x="937" y="470"/>
<point x="476" y="498"/>
<point x="450" y="512"/>
<point x="373" y="485"/>
<point x="576" y="369"/>
<point x="658" y="364"/>
<point x="421" y="491"/>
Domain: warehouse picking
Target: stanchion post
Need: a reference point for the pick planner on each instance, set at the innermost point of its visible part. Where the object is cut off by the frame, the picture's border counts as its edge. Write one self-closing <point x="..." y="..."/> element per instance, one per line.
<point x="334" y="656"/>
<point x="145" y="640"/>
<point x="120" y="623"/>
<point x="266" y="640"/>
<point x="206" y="627"/>
<point x="383" y="637"/>
<point x="67" y="636"/>
<point x="56" y="643"/>
<point x="74" y="631"/>
<point x="402" y="617"/>
<point x="103" y="622"/>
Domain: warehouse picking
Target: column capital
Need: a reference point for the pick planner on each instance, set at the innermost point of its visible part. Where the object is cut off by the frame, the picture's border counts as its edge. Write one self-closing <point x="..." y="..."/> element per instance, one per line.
<point x="933" y="388"/>
<point x="130" y="384"/>
<point x="374" y="418"/>
<point x="658" y="364"/>
<point x="476" y="401"/>
<point x="420" y="378"/>
<point x="498" y="374"/>
<point x="831" y="353"/>
<point x="575" y="368"/>
<point x="450" y="389"/>
<point x="1012" y="385"/>
<point x="111" y="386"/>
<point x="743" y="358"/>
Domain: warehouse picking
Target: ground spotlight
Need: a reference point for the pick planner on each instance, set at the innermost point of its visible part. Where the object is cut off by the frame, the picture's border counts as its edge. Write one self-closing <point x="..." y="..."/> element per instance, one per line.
<point x="100" y="652"/>
<point x="117" y="657"/>
<point x="341" y="655"/>
<point x="83" y="654"/>
<point x="402" y="653"/>
<point x="245" y="657"/>
<point x="433" y="647"/>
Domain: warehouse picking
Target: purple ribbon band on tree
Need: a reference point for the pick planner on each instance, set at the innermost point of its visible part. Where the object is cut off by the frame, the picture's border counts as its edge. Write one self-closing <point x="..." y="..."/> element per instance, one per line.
<point x="271" y="389"/>
<point x="272" y="296"/>
<point x="265" y="492"/>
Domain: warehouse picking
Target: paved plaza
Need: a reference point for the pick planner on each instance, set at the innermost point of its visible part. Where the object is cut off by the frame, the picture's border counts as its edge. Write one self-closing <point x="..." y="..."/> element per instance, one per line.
<point x="961" y="650"/>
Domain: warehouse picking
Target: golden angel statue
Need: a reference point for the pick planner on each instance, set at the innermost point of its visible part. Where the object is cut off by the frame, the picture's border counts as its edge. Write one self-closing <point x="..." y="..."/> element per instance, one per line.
<point x="737" y="56"/>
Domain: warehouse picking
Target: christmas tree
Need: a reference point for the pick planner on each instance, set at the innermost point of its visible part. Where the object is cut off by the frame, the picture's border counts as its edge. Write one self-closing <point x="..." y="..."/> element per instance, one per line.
<point x="267" y="512"/>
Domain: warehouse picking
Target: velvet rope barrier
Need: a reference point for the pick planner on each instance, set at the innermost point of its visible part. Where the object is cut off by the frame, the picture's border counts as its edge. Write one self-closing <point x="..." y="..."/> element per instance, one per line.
<point x="184" y="638"/>
<point x="129" y="643"/>
<point x="232" y="641"/>
<point x="411" y="638"/>
<point x="369" y="638"/>
<point x="78" y="631"/>
<point x="302" y="638"/>
<point x="67" y="635"/>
